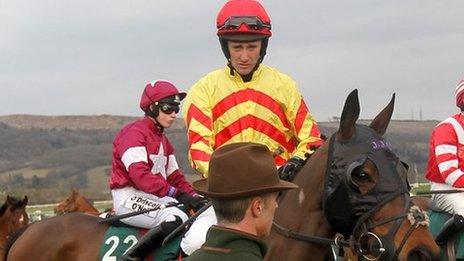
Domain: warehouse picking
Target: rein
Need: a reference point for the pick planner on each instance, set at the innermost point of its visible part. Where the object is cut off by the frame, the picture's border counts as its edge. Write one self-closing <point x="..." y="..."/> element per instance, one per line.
<point x="337" y="241"/>
<point x="446" y="191"/>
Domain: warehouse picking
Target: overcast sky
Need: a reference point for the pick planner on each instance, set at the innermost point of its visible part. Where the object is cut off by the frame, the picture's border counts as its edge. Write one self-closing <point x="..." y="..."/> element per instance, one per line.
<point x="94" y="57"/>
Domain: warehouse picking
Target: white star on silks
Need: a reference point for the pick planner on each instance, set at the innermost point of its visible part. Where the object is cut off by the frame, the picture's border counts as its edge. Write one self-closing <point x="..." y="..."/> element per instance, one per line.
<point x="159" y="162"/>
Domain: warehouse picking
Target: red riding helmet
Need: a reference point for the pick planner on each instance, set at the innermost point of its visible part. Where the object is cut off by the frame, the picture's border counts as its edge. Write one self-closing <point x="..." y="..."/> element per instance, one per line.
<point x="160" y="90"/>
<point x="243" y="20"/>
<point x="459" y="94"/>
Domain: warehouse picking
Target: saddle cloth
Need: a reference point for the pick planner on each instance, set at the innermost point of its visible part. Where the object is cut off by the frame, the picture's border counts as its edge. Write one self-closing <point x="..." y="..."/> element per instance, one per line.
<point x="437" y="220"/>
<point x="118" y="240"/>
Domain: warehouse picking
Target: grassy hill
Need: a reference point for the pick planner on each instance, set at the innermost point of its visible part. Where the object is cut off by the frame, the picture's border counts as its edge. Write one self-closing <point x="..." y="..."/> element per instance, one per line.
<point x="46" y="156"/>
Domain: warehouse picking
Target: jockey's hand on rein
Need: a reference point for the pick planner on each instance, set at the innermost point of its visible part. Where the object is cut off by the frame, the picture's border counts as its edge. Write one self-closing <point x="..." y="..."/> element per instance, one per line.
<point x="289" y="170"/>
<point x="190" y="202"/>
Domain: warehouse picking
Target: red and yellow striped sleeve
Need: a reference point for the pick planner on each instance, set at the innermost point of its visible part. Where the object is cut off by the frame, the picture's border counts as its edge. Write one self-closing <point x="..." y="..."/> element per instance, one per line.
<point x="304" y="125"/>
<point x="197" y="115"/>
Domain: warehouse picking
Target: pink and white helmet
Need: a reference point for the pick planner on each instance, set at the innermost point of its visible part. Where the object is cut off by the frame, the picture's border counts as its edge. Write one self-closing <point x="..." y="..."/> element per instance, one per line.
<point x="158" y="90"/>
<point x="459" y="93"/>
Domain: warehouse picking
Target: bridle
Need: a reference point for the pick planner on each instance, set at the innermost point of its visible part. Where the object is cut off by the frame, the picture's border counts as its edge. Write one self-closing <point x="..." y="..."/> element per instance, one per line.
<point x="362" y="239"/>
<point x="383" y="246"/>
<point x="414" y="214"/>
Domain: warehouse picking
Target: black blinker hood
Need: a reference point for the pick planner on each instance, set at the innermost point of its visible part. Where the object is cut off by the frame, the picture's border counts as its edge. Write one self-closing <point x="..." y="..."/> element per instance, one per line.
<point x="342" y="202"/>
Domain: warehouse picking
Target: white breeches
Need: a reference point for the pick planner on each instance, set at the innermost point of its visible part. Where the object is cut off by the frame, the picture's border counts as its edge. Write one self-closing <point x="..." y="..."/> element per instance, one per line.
<point x="196" y="235"/>
<point x="451" y="203"/>
<point x="128" y="199"/>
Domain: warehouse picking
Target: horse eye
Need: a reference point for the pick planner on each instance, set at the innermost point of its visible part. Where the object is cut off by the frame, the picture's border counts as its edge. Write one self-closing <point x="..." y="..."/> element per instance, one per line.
<point x="361" y="176"/>
<point x="358" y="177"/>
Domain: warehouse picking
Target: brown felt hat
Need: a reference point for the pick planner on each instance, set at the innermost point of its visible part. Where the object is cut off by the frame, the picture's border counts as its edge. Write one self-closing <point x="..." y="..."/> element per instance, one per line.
<point x="241" y="170"/>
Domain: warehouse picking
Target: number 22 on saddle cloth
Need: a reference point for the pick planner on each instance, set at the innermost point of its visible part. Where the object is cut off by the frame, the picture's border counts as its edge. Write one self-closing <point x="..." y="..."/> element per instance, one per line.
<point x="118" y="240"/>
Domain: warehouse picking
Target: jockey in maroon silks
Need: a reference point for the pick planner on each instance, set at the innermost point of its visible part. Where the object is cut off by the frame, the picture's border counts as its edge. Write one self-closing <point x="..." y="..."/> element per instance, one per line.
<point x="145" y="172"/>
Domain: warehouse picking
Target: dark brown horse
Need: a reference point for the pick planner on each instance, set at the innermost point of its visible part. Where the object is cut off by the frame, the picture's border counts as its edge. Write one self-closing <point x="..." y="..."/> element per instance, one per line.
<point x="13" y="216"/>
<point x="303" y="211"/>
<point x="76" y="203"/>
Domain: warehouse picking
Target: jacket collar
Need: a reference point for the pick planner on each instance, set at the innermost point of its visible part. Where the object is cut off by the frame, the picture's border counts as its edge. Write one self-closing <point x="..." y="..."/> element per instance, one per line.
<point x="237" y="76"/>
<point x="221" y="237"/>
<point x="152" y="125"/>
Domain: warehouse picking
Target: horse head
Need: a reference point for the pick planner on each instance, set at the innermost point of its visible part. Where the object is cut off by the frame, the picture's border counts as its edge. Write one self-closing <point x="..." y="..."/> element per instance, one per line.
<point x="13" y="216"/>
<point x="68" y="204"/>
<point x="370" y="182"/>
<point x="75" y="203"/>
<point x="354" y="185"/>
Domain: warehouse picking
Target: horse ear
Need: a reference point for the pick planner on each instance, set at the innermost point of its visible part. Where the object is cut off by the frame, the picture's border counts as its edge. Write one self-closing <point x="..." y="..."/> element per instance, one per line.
<point x="349" y="116"/>
<point x="25" y="200"/>
<point x="8" y="199"/>
<point x="381" y="121"/>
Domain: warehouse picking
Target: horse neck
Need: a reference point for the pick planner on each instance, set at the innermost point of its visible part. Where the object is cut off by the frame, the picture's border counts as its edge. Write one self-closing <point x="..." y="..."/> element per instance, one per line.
<point x="310" y="180"/>
<point x="3" y="229"/>
<point x="85" y="206"/>
<point x="301" y="210"/>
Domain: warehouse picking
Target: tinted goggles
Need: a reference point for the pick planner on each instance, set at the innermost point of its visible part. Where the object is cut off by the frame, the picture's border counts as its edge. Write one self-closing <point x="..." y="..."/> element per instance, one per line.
<point x="169" y="108"/>
<point x="253" y="22"/>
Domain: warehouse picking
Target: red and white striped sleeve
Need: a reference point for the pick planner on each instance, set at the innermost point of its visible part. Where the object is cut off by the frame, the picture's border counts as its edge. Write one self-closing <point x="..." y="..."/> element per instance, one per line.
<point x="446" y="138"/>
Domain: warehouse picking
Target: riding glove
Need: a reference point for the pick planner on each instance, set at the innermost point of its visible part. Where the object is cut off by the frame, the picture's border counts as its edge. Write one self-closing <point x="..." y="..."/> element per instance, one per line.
<point x="289" y="170"/>
<point x="190" y="202"/>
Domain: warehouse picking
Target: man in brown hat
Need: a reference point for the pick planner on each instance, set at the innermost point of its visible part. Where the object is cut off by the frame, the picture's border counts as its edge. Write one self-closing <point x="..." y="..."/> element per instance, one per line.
<point x="243" y="184"/>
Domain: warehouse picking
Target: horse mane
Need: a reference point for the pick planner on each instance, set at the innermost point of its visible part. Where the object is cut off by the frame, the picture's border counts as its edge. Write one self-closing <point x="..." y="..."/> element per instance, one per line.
<point x="12" y="238"/>
<point x="3" y="209"/>
<point x="87" y="200"/>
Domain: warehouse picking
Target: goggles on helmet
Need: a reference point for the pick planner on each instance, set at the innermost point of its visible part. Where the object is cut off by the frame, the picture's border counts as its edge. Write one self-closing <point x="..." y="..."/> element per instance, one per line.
<point x="253" y="22"/>
<point x="169" y="108"/>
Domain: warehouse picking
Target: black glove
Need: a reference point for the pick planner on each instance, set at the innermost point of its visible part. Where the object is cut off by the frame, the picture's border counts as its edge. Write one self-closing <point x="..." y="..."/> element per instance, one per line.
<point x="190" y="202"/>
<point x="289" y="170"/>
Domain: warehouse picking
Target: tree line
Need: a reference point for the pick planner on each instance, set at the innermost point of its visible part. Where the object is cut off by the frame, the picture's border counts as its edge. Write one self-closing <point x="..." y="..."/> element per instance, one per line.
<point x="66" y="156"/>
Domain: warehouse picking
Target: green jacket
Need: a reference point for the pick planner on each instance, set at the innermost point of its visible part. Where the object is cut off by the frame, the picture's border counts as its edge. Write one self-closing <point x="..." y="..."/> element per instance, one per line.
<point x="228" y="244"/>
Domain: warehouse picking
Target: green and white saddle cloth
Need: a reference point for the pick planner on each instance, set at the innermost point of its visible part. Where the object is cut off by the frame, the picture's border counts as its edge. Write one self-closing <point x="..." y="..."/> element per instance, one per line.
<point x="118" y="240"/>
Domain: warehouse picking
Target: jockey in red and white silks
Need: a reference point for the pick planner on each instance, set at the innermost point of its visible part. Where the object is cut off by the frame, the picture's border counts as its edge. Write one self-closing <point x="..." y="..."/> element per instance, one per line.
<point x="445" y="168"/>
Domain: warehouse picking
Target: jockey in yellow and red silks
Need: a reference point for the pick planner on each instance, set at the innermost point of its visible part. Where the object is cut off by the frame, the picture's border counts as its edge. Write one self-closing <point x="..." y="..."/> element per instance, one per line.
<point x="248" y="101"/>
